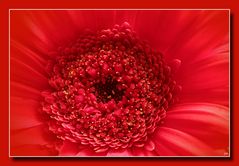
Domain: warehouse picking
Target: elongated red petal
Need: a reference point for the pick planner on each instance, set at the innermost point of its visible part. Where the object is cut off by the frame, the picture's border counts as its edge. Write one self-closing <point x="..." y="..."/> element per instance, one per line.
<point x="24" y="113"/>
<point x="207" y="122"/>
<point x="181" y="143"/>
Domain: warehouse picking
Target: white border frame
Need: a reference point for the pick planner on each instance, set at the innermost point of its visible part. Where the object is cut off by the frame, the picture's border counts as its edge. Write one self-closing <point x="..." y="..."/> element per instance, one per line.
<point x="59" y="9"/>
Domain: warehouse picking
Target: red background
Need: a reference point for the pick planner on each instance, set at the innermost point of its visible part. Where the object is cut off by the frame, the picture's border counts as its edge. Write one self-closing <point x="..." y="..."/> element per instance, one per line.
<point x="229" y="4"/>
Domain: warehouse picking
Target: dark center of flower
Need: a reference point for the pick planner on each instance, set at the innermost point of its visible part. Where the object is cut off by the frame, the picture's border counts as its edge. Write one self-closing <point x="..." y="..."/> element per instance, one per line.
<point x="109" y="90"/>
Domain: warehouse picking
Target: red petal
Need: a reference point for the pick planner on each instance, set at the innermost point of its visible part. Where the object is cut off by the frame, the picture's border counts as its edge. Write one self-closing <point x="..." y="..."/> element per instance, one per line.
<point x="119" y="152"/>
<point x="32" y="136"/>
<point x="32" y="150"/>
<point x="86" y="151"/>
<point x="207" y="122"/>
<point x="68" y="149"/>
<point x="150" y="146"/>
<point x="24" y="73"/>
<point x="180" y="142"/>
<point x="24" y="91"/>
<point x="143" y="152"/>
<point x="206" y="82"/>
<point x="24" y="113"/>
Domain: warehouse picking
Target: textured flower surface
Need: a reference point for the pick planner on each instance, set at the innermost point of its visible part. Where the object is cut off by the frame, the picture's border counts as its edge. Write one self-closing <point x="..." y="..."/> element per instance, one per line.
<point x="119" y="83"/>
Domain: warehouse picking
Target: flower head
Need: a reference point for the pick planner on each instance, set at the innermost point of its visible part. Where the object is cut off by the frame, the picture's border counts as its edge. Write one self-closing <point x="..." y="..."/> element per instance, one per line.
<point x="109" y="92"/>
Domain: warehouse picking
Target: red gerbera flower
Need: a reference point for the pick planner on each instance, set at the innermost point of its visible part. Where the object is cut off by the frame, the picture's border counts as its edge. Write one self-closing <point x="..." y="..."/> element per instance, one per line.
<point x="119" y="82"/>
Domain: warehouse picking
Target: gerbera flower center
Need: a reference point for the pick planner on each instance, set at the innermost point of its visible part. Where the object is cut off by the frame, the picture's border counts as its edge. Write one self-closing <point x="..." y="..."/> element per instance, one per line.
<point x="109" y="90"/>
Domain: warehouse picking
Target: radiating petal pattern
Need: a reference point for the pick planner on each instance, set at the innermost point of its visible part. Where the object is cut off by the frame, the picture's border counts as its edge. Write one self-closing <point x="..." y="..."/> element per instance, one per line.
<point x="207" y="122"/>
<point x="178" y="143"/>
<point x="195" y="45"/>
<point x="30" y="136"/>
<point x="24" y="114"/>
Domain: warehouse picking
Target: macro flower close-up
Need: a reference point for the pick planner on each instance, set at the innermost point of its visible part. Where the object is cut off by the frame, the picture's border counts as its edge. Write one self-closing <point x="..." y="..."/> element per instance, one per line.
<point x="119" y="83"/>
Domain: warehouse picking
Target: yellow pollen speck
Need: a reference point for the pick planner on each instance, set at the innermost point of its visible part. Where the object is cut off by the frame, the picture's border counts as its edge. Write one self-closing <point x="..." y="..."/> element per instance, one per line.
<point x="71" y="73"/>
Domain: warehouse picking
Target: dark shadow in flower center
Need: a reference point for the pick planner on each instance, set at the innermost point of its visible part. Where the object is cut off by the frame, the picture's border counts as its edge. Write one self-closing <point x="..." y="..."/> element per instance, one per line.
<point x="107" y="90"/>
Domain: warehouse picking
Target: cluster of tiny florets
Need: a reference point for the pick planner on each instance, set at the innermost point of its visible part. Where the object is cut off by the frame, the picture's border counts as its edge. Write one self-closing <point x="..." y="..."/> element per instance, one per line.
<point x="108" y="90"/>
